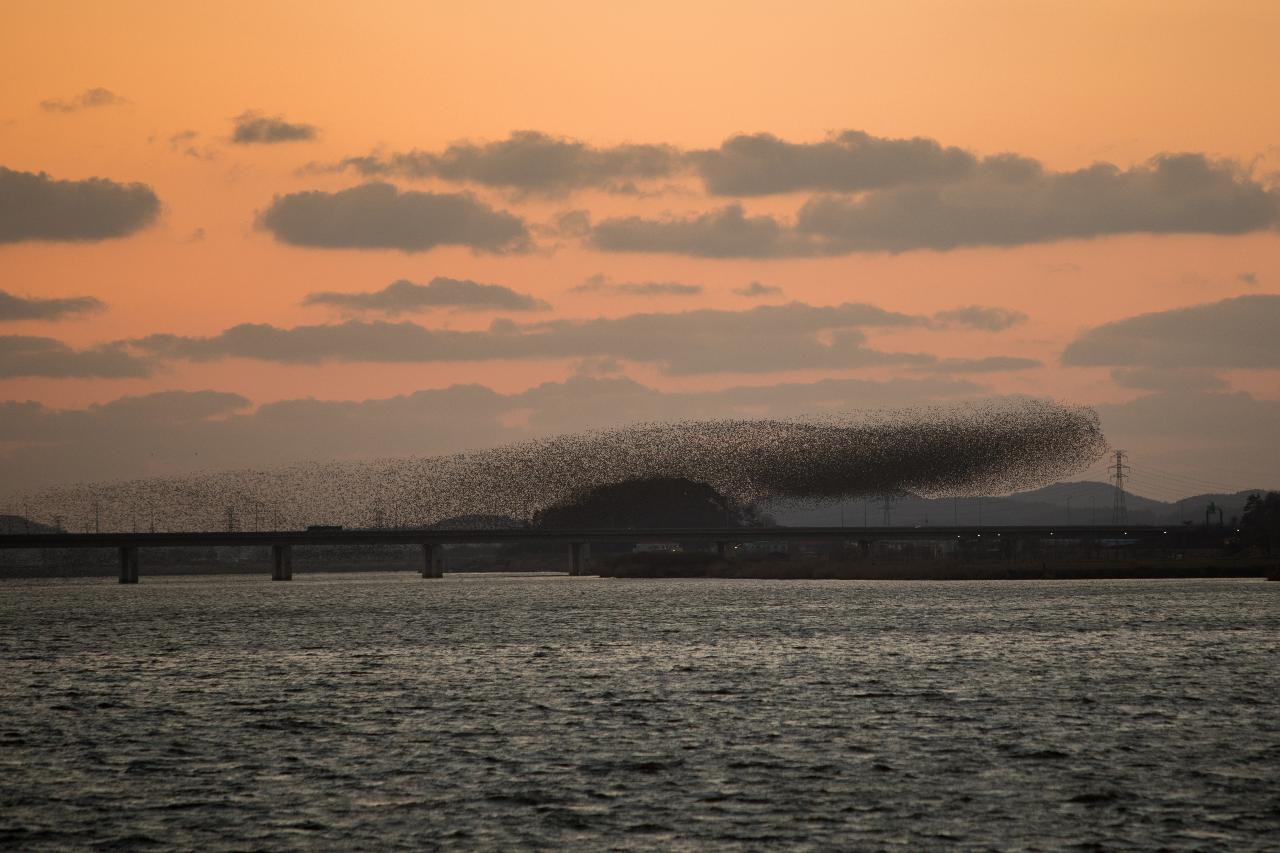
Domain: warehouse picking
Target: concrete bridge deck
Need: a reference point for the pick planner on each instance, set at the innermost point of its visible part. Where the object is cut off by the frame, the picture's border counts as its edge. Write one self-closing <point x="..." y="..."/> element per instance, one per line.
<point x="281" y="542"/>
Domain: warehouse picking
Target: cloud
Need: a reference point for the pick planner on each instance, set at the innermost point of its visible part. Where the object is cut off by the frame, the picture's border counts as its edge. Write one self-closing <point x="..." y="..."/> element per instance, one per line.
<point x="768" y="338"/>
<point x="1239" y="332"/>
<point x="378" y="216"/>
<point x="852" y="161"/>
<point x="178" y="431"/>
<point x="724" y="233"/>
<point x="1011" y="201"/>
<point x="254" y="128"/>
<point x="184" y="142"/>
<point x="36" y="207"/>
<point x="13" y="307"/>
<point x="1005" y="201"/>
<point x="1225" y="438"/>
<point x="528" y="162"/>
<point x="402" y="297"/>
<point x="755" y="289"/>
<point x="599" y="283"/>
<point x="981" y="318"/>
<point x="571" y="223"/>
<point x="1173" y="380"/>
<point x="987" y="364"/>
<point x="88" y="99"/>
<point x="27" y="356"/>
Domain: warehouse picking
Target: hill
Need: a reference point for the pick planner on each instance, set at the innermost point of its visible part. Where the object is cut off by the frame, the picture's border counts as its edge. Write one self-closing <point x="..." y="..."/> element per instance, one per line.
<point x="1061" y="503"/>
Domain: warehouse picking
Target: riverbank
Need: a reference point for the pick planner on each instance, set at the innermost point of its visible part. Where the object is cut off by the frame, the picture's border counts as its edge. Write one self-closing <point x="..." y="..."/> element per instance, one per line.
<point x="706" y="566"/>
<point x="819" y="569"/>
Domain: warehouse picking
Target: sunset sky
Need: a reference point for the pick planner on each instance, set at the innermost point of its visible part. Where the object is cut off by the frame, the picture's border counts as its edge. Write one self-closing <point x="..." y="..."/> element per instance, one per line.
<point x="243" y="234"/>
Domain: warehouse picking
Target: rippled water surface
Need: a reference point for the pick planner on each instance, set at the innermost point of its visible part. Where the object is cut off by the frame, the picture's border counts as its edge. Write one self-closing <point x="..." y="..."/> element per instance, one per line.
<point x="376" y="711"/>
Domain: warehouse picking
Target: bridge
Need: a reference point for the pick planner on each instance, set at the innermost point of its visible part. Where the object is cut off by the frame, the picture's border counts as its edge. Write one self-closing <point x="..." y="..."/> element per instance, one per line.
<point x="282" y="542"/>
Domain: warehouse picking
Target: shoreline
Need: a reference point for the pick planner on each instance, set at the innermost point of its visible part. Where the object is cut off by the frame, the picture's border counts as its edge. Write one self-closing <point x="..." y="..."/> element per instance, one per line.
<point x="939" y="570"/>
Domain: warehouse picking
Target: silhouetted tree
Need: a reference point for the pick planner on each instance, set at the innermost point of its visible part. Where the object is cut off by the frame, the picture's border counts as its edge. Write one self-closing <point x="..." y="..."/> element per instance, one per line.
<point x="655" y="502"/>
<point x="1260" y="524"/>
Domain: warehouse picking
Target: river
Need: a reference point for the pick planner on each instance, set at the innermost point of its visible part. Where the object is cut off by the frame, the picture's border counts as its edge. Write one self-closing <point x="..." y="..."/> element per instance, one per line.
<point x="358" y="711"/>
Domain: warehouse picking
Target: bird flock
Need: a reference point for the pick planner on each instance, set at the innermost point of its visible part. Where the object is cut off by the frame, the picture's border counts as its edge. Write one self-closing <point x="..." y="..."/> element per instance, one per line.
<point x="979" y="449"/>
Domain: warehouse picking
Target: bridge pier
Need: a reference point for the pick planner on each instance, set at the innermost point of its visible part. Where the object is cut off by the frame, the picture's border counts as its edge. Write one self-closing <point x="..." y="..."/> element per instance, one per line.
<point x="282" y="562"/>
<point x="128" y="564"/>
<point x="577" y="558"/>
<point x="432" y="564"/>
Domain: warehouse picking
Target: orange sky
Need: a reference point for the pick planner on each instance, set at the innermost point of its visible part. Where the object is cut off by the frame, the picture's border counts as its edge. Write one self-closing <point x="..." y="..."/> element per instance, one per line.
<point x="1066" y="83"/>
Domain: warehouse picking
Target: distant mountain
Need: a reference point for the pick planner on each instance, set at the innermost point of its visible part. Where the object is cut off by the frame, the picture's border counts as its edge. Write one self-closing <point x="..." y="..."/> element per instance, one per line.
<point x="1060" y="503"/>
<point x="18" y="524"/>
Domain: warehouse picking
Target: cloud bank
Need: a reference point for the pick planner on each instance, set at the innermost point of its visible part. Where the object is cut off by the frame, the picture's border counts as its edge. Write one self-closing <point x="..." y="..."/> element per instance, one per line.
<point x="768" y="338"/>
<point x="14" y="307"/>
<point x="1239" y="332"/>
<point x="852" y="161"/>
<point x="528" y="162"/>
<point x="378" y="216"/>
<point x="404" y="297"/>
<point x="1004" y="201"/>
<point x="34" y="206"/>
<point x="599" y="283"/>
<point x="27" y="356"/>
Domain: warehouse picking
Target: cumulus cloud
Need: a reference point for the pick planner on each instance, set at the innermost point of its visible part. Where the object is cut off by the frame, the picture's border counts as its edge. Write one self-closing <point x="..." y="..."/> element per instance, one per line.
<point x="254" y="128"/>
<point x="27" y="356"/>
<point x="725" y="233"/>
<point x="1239" y="332"/>
<point x="852" y="161"/>
<point x="177" y="431"/>
<point x="88" y="99"/>
<point x="1004" y="201"/>
<point x="34" y="206"/>
<point x="1011" y="201"/>
<point x="756" y="289"/>
<point x="528" y="162"/>
<point x="768" y="338"/>
<point x="14" y="307"/>
<point x="403" y="297"/>
<point x="981" y="318"/>
<point x="600" y="283"/>
<point x="378" y="216"/>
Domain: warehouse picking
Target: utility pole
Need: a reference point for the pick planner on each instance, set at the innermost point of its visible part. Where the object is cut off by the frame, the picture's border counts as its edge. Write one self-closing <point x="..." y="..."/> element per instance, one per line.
<point x="887" y="508"/>
<point x="1119" y="513"/>
<point x="231" y="519"/>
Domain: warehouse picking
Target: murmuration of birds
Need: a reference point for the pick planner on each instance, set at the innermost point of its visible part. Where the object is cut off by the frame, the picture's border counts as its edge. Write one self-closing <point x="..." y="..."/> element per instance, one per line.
<point x="978" y="449"/>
